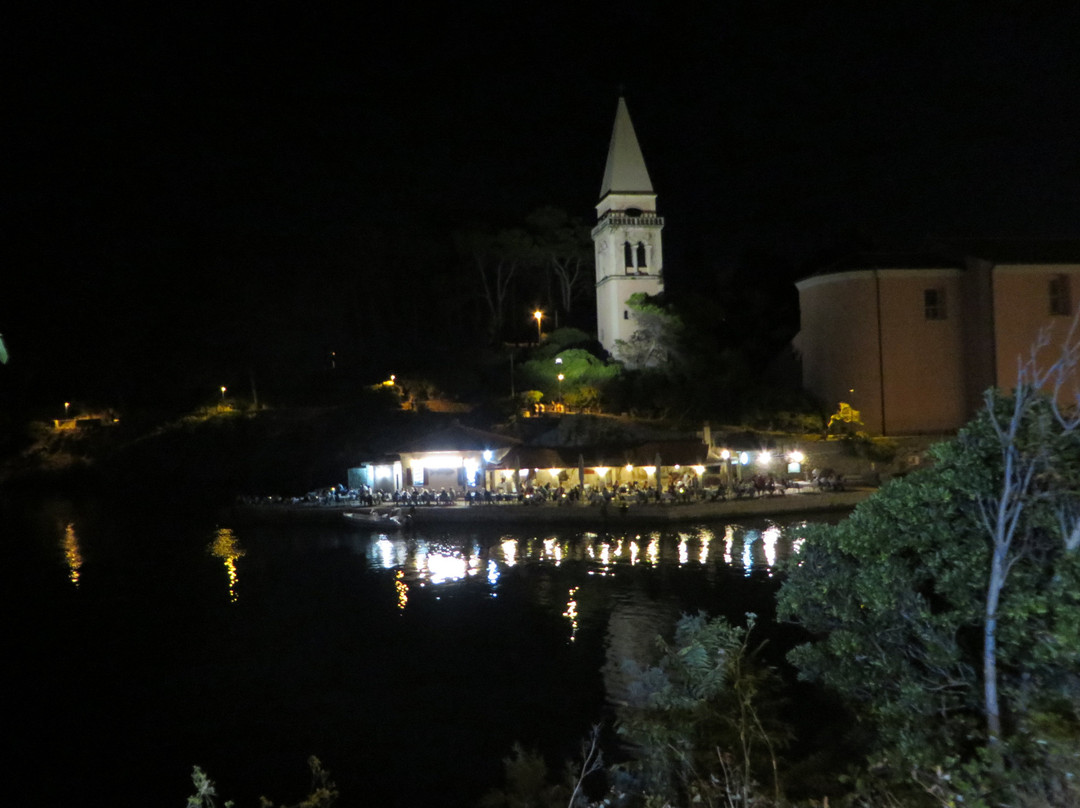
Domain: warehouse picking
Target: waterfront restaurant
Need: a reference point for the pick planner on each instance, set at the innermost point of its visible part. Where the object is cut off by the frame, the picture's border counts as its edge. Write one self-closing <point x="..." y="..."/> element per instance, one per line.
<point x="453" y="458"/>
<point x="460" y="458"/>
<point x="645" y="465"/>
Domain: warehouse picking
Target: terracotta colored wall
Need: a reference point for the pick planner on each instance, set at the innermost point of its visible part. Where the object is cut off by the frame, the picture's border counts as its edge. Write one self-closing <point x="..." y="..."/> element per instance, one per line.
<point x="838" y="342"/>
<point x="1021" y="309"/>
<point x="922" y="359"/>
<point x="912" y="380"/>
<point x="977" y="310"/>
<point x="928" y="375"/>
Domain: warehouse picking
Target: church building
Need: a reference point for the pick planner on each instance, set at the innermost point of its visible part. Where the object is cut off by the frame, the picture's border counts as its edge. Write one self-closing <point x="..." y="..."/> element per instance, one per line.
<point x="628" y="250"/>
<point x="913" y="341"/>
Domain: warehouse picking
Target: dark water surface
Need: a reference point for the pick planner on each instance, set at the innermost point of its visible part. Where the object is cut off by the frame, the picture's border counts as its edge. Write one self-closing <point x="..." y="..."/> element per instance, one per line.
<point x="144" y="643"/>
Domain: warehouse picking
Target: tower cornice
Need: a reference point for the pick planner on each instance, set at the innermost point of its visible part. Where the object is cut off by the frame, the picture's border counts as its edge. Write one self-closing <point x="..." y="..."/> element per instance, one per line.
<point x="621" y="219"/>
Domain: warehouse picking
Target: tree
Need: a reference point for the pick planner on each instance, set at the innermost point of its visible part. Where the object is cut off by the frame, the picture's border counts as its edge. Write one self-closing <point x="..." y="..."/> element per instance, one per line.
<point x="1038" y="441"/>
<point x="497" y="258"/>
<point x="528" y="784"/>
<point x="564" y="248"/>
<point x="322" y="794"/>
<point x="578" y="367"/>
<point x="657" y="338"/>
<point x="969" y="685"/>
<point x="703" y="719"/>
<point x="528" y="781"/>
<point x="891" y="599"/>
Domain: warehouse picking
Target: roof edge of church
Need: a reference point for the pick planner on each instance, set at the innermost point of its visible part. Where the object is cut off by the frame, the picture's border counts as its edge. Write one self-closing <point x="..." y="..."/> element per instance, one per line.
<point x="957" y="255"/>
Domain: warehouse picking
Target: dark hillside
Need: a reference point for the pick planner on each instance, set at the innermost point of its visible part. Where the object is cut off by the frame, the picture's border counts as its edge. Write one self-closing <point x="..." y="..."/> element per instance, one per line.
<point x="214" y="455"/>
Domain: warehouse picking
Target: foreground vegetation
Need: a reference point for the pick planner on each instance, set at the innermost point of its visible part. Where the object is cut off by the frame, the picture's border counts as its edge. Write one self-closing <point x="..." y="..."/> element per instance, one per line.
<point x="943" y="617"/>
<point x="322" y="792"/>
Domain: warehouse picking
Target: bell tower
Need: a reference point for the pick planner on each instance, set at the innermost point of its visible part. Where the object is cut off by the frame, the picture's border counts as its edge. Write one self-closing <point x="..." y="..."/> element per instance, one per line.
<point x="626" y="239"/>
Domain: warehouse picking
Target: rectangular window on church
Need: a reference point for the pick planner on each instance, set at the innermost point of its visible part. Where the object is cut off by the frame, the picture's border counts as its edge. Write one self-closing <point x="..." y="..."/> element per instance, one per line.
<point x="1060" y="297"/>
<point x="934" y="304"/>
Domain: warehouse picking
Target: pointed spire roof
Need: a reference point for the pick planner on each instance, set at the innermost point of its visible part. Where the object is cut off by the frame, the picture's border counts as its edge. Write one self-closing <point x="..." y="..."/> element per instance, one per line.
<point x="625" y="171"/>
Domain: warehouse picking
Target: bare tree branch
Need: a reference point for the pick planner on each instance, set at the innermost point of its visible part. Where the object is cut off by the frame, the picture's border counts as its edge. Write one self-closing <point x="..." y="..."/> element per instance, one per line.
<point x="1026" y="440"/>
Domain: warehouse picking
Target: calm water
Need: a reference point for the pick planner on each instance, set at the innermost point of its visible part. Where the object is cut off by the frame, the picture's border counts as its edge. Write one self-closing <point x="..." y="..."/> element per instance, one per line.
<point x="409" y="663"/>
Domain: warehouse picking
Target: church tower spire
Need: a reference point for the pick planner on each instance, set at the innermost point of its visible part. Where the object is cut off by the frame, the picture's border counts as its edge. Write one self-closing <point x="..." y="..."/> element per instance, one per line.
<point x="626" y="239"/>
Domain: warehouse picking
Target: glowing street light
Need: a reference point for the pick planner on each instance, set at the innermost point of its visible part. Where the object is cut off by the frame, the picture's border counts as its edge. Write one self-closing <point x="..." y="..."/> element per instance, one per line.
<point x="539" y="315"/>
<point x="222" y="392"/>
<point x="561" y="377"/>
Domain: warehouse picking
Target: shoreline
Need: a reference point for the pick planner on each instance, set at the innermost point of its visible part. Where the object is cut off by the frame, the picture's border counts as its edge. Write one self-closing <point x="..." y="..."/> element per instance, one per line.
<point x="549" y="514"/>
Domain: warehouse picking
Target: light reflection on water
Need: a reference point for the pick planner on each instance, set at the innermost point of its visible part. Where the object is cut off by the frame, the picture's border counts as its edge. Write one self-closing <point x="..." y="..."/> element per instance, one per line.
<point x="424" y="560"/>
<point x="226" y="547"/>
<point x="387" y="623"/>
<point x="769" y="538"/>
<point x="571" y="612"/>
<point x="419" y="560"/>
<point x="630" y="621"/>
<point x="72" y="554"/>
<point x="627" y="618"/>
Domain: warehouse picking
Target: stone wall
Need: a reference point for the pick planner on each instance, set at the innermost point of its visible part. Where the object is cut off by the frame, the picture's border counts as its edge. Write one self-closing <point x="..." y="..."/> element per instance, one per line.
<point x="848" y="459"/>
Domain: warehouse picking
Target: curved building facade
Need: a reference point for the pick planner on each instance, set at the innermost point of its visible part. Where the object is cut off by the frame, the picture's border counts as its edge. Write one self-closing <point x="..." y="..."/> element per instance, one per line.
<point x="913" y="343"/>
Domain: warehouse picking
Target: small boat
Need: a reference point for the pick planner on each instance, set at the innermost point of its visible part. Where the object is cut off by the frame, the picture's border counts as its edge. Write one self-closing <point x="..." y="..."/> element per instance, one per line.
<point x="383" y="517"/>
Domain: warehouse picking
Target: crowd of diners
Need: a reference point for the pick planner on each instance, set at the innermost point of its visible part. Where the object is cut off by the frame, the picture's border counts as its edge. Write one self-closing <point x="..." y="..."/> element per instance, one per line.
<point x="678" y="490"/>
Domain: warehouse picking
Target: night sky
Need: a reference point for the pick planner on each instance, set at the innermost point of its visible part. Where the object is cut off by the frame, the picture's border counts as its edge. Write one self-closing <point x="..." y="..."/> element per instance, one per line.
<point x="199" y="194"/>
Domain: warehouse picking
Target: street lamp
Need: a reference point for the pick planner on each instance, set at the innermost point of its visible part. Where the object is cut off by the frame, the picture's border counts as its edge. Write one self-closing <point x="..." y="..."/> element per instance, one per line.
<point x="222" y="392"/>
<point x="539" y="315"/>
<point x="561" y="377"/>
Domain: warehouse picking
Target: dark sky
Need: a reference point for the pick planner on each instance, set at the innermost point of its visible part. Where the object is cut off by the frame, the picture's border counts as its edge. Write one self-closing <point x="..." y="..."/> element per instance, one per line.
<point x="185" y="178"/>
